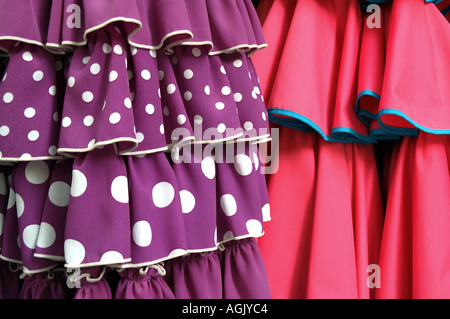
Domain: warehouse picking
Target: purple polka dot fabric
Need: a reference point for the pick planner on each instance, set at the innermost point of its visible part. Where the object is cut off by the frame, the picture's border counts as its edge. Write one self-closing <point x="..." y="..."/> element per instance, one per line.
<point x="128" y="143"/>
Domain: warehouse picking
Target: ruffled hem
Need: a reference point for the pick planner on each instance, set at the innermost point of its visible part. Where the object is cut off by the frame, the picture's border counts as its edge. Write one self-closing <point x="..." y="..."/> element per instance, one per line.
<point x="153" y="101"/>
<point x="61" y="26"/>
<point x="369" y="87"/>
<point x="151" y="208"/>
<point x="235" y="271"/>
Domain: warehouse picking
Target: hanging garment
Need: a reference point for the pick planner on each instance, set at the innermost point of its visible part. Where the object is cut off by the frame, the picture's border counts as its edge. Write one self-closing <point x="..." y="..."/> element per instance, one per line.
<point x="330" y="72"/>
<point x="129" y="137"/>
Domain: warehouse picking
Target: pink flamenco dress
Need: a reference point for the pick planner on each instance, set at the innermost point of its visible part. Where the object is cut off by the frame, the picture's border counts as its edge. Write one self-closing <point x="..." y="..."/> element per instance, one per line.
<point x="404" y="92"/>
<point x="325" y="197"/>
<point x="129" y="150"/>
<point x="378" y="205"/>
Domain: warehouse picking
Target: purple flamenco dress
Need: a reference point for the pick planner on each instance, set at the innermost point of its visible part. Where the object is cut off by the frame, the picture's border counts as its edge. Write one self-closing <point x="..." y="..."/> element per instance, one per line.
<point x="130" y="163"/>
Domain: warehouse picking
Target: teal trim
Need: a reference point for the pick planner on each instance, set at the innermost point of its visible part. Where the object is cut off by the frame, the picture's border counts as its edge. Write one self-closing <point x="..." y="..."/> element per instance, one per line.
<point x="302" y="123"/>
<point x="406" y="131"/>
<point x="362" y="114"/>
<point x="381" y="134"/>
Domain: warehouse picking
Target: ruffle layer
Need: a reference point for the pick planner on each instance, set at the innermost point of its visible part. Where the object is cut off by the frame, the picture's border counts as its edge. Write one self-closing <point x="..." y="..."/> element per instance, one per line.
<point x="140" y="100"/>
<point x="402" y="84"/>
<point x="59" y="26"/>
<point x="150" y="208"/>
<point x="369" y="82"/>
<point x="235" y="271"/>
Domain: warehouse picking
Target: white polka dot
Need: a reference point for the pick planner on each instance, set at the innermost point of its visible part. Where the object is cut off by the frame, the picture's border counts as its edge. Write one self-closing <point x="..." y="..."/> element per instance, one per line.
<point x="160" y="75"/>
<point x="228" y="204"/>
<point x="119" y="189"/>
<point x="33" y="135"/>
<point x="187" y="95"/>
<point x="237" y="97"/>
<point x="52" y="150"/>
<point x="88" y="120"/>
<point x="111" y="257"/>
<point x="208" y="167"/>
<point x="52" y="90"/>
<point x="4" y="77"/>
<point x="220" y="105"/>
<point x="37" y="172"/>
<point x="25" y="156"/>
<point x="181" y="119"/>
<point x="114" y="118"/>
<point x="254" y="227"/>
<point x="118" y="49"/>
<point x="142" y="233"/>
<point x="11" y="199"/>
<point x="47" y="235"/>
<point x="256" y="89"/>
<point x="149" y="109"/>
<point x="161" y="128"/>
<point x="66" y="121"/>
<point x="163" y="194"/>
<point x="159" y="92"/>
<point x="86" y="59"/>
<point x="196" y="52"/>
<point x="74" y="252"/>
<point x="79" y="183"/>
<point x="4" y="130"/>
<point x="187" y="201"/>
<point x="221" y="128"/>
<point x="139" y="137"/>
<point x="264" y="116"/>
<point x="146" y="75"/>
<point x="91" y="143"/>
<point x="27" y="56"/>
<point x="226" y="90"/>
<point x="95" y="68"/>
<point x="127" y="103"/>
<point x="152" y="53"/>
<point x="243" y="164"/>
<point x="30" y="235"/>
<point x="59" y="194"/>
<point x="237" y="63"/>
<point x="266" y="212"/>
<point x="104" y="105"/>
<point x="71" y="81"/>
<point x="207" y="90"/>
<point x="188" y="74"/>
<point x="8" y="97"/>
<point x="29" y="112"/>
<point x="133" y="50"/>
<point x="38" y="75"/>
<point x="248" y="125"/>
<point x="87" y="96"/>
<point x="20" y="205"/>
<point x="222" y="69"/>
<point x="228" y="235"/>
<point x="113" y="75"/>
<point x="106" y="48"/>
<point x="171" y="88"/>
<point x="254" y="95"/>
<point x="177" y="252"/>
<point x="56" y="116"/>
<point x="174" y="60"/>
<point x="129" y="75"/>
